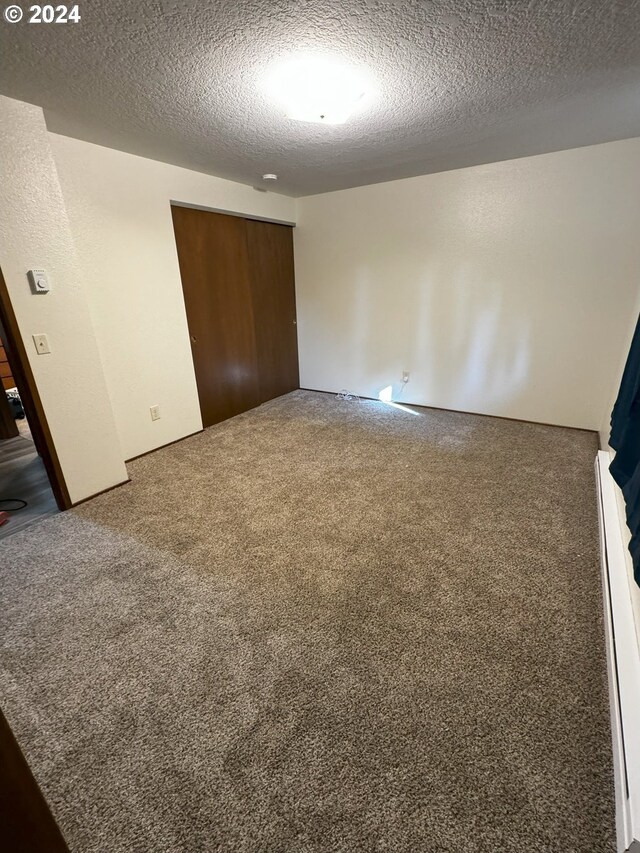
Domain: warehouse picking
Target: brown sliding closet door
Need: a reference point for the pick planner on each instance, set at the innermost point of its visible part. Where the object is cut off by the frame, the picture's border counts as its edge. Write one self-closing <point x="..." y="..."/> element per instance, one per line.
<point x="237" y="278"/>
<point x="274" y="307"/>
<point x="212" y="251"/>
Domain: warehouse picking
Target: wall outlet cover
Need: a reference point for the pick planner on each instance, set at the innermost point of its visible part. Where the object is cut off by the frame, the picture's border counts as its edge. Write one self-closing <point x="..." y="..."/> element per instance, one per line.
<point x="42" y="344"/>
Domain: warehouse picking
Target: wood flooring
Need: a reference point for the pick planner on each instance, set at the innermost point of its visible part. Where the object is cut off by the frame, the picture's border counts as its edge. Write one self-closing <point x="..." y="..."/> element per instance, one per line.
<point x="23" y="476"/>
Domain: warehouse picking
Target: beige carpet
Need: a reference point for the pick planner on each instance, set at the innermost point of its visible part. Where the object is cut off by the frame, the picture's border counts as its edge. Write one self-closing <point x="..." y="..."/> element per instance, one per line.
<point x="321" y="626"/>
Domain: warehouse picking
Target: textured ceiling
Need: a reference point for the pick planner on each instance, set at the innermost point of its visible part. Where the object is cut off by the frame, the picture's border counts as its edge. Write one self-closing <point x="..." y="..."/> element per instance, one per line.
<point x="458" y="82"/>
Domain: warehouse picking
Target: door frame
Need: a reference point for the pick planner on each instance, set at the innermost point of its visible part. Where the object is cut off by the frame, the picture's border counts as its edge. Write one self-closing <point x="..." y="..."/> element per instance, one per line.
<point x="31" y="402"/>
<point x="237" y="213"/>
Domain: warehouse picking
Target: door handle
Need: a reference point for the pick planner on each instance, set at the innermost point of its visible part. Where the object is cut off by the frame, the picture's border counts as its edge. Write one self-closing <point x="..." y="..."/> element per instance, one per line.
<point x="295" y="322"/>
<point x="193" y="339"/>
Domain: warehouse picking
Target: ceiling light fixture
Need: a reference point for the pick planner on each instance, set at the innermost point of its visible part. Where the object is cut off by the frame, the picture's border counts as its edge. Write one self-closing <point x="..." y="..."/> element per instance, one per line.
<point x="269" y="177"/>
<point x="317" y="89"/>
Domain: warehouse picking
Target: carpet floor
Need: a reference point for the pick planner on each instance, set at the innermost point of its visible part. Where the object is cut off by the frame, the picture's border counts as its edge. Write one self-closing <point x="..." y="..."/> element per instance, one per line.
<point x="321" y="626"/>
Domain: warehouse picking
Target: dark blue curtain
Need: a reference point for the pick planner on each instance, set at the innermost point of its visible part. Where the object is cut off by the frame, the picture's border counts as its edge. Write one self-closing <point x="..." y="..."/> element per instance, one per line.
<point x="625" y="440"/>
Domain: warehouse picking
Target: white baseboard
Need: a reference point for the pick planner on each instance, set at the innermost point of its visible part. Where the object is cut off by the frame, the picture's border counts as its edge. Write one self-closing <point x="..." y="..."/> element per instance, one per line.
<point x="623" y="662"/>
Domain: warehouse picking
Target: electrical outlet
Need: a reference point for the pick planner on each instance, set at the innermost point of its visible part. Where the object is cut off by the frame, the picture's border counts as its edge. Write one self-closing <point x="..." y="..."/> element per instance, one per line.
<point x="405" y="376"/>
<point x="155" y="413"/>
<point x="42" y="344"/>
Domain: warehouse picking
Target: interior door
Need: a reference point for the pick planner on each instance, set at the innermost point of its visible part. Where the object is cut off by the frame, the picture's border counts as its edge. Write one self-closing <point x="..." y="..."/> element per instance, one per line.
<point x="214" y="266"/>
<point x="270" y="249"/>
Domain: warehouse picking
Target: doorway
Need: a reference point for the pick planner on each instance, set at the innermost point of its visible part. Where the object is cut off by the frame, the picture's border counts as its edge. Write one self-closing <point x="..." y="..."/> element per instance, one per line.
<point x="31" y="482"/>
<point x="239" y="291"/>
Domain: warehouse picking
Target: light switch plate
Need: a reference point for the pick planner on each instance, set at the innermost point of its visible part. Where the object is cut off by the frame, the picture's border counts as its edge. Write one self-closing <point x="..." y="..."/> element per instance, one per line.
<point x="38" y="281"/>
<point x="42" y="344"/>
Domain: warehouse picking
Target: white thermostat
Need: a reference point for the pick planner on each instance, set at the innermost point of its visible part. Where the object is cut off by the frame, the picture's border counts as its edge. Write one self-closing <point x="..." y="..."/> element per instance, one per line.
<point x="38" y="281"/>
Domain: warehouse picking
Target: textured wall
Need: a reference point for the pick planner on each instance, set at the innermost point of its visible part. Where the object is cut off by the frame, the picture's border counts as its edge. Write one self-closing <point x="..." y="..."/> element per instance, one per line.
<point x="504" y="289"/>
<point x="119" y="207"/>
<point x="36" y="234"/>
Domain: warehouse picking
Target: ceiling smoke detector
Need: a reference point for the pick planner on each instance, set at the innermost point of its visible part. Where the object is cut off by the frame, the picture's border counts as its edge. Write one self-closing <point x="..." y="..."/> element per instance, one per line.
<point x="269" y="177"/>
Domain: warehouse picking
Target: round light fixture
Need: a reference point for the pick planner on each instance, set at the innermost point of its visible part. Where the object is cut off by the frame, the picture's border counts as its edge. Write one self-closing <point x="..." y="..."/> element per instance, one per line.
<point x="269" y="177"/>
<point x="318" y="88"/>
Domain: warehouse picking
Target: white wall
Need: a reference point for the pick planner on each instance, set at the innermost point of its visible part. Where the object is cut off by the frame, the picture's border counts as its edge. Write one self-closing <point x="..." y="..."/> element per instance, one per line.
<point x="119" y="208"/>
<point x="35" y="233"/>
<point x="504" y="289"/>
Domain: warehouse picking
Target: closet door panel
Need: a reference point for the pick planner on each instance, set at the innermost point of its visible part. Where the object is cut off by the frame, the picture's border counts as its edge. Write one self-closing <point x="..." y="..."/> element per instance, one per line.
<point x="270" y="249"/>
<point x="214" y="266"/>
